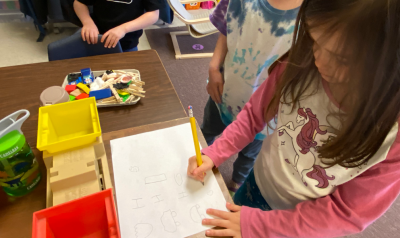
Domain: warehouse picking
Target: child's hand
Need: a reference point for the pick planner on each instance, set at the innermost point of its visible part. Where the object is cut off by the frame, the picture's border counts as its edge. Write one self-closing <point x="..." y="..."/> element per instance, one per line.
<point x="215" y="86"/>
<point x="199" y="173"/>
<point x="90" y="33"/>
<point x="229" y="220"/>
<point x="113" y="36"/>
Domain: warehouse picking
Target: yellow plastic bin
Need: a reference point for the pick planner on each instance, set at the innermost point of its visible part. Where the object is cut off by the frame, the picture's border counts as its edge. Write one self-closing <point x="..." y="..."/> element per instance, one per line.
<point x="68" y="125"/>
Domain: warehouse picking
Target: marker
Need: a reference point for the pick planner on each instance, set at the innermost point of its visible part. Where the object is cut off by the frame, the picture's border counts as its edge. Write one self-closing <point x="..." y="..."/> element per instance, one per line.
<point x="195" y="138"/>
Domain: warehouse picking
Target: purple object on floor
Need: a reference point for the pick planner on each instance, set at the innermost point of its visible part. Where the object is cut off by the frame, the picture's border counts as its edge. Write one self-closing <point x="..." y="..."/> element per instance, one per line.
<point x="198" y="47"/>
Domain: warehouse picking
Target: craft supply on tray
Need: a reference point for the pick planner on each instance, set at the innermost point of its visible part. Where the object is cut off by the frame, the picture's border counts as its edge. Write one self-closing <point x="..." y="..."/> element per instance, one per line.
<point x="101" y="94"/>
<point x="87" y="76"/>
<point x="75" y="93"/>
<point x="70" y="88"/>
<point x="82" y="96"/>
<point x="83" y="88"/>
<point x="74" y="78"/>
<point x="97" y="84"/>
<point x="110" y="87"/>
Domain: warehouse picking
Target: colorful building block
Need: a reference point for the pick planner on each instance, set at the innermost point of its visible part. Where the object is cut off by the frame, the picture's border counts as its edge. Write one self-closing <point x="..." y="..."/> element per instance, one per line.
<point x="70" y="88"/>
<point x="82" y="96"/>
<point x="123" y="93"/>
<point x="79" y="80"/>
<point x="87" y="76"/>
<point x="83" y="88"/>
<point x="124" y="97"/>
<point x="71" y="98"/>
<point x="100" y="94"/>
<point x="72" y="77"/>
<point x="76" y="92"/>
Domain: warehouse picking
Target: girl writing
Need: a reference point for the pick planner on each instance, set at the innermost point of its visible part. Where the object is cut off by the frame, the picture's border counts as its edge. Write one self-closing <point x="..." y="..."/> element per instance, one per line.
<point x="332" y="165"/>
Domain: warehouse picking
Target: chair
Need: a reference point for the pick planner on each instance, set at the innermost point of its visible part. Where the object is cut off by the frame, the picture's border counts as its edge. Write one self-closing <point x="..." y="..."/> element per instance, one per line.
<point x="74" y="47"/>
<point x="198" y="25"/>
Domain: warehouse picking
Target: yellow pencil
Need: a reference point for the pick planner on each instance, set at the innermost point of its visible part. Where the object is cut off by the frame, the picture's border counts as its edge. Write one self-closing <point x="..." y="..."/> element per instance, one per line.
<point x="195" y="138"/>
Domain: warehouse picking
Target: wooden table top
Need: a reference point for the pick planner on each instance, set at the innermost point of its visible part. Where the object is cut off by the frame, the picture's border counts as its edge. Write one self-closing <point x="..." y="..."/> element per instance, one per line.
<point x="21" y="87"/>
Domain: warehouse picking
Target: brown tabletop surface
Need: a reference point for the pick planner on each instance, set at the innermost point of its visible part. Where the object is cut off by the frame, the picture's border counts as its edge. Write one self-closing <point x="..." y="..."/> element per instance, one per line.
<point x="137" y="130"/>
<point x="21" y="86"/>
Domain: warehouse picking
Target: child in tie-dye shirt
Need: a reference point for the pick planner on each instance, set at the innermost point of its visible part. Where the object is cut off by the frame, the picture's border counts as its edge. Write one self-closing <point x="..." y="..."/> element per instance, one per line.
<point x="253" y="34"/>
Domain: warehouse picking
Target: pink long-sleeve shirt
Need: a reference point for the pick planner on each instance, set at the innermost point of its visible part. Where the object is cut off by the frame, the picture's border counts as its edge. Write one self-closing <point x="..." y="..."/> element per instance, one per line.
<point x="308" y="200"/>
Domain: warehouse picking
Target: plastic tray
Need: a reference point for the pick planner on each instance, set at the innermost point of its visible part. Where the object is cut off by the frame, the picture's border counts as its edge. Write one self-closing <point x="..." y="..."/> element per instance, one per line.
<point x="68" y="125"/>
<point x="100" y="72"/>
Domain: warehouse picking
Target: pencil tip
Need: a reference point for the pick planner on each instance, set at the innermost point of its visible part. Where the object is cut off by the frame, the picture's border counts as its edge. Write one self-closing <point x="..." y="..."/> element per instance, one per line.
<point x="202" y="183"/>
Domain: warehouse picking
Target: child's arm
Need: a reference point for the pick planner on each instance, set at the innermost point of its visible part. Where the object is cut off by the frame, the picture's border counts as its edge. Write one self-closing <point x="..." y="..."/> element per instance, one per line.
<point x="241" y="132"/>
<point x="215" y="84"/>
<point x="250" y="121"/>
<point x="115" y="34"/>
<point x="89" y="30"/>
<point x="350" y="209"/>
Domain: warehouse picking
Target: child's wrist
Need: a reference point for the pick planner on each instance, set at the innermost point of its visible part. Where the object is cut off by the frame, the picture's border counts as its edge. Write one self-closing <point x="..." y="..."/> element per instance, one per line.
<point x="214" y="67"/>
<point x="88" y="22"/>
<point x="124" y="27"/>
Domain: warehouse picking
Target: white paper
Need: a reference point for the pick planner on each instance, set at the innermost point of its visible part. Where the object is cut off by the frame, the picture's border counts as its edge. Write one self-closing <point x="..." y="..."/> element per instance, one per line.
<point x="155" y="197"/>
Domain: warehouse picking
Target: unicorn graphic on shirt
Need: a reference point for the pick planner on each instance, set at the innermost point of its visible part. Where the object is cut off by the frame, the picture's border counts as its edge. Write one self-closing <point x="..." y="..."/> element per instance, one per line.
<point x="303" y="139"/>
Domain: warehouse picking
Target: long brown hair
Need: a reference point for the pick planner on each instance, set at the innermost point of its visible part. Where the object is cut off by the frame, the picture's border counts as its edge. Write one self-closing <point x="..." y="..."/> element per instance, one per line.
<point x="370" y="31"/>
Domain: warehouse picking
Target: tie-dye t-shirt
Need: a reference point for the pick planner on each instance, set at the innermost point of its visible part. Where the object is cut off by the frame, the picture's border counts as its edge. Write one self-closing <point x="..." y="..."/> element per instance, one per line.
<point x="257" y="35"/>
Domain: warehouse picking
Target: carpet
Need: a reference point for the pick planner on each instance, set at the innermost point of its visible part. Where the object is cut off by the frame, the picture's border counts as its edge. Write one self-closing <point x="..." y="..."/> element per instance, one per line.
<point x="189" y="76"/>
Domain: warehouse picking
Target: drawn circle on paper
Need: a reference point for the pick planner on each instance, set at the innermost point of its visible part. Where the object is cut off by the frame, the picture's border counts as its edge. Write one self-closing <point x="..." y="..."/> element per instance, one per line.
<point x="197" y="47"/>
<point x="134" y="169"/>
<point x="209" y="193"/>
<point x="143" y="230"/>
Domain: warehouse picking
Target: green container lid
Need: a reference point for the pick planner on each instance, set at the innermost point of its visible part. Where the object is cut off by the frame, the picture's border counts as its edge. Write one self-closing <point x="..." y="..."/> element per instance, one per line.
<point x="10" y="144"/>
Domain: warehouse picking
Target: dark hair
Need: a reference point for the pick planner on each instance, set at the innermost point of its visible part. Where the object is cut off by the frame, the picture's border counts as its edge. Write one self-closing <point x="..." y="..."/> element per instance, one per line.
<point x="370" y="31"/>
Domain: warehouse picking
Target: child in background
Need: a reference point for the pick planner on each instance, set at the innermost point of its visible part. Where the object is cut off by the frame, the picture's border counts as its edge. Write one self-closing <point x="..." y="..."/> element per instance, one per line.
<point x="253" y="34"/>
<point x="121" y="20"/>
<point x="332" y="165"/>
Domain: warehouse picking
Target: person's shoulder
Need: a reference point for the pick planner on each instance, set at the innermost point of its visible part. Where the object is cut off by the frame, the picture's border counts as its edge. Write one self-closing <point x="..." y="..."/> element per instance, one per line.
<point x="396" y="129"/>
<point x="392" y="143"/>
<point x="279" y="65"/>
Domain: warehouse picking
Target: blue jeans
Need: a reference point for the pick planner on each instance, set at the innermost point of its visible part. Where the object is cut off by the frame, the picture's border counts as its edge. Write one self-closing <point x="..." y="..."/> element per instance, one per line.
<point x="249" y="195"/>
<point x="213" y="126"/>
<point x="131" y="50"/>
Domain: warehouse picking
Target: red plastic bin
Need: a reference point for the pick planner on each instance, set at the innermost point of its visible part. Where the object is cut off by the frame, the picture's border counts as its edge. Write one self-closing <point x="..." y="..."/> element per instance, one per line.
<point x="90" y="216"/>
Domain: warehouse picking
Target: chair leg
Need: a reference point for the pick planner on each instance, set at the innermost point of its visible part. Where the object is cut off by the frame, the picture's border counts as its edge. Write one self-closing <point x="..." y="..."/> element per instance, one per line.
<point x="41" y="29"/>
<point x="178" y="54"/>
